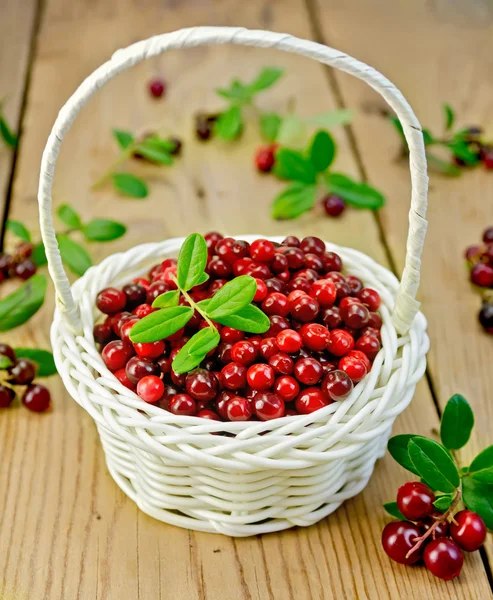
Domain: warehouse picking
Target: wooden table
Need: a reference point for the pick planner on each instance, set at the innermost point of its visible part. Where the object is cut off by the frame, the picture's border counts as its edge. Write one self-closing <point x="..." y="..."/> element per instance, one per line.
<point x="66" y="530"/>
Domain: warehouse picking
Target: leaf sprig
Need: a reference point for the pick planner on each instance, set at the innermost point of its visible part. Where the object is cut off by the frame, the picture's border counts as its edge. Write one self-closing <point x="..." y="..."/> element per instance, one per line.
<point x="230" y="305"/>
<point x="307" y="170"/>
<point x="434" y="463"/>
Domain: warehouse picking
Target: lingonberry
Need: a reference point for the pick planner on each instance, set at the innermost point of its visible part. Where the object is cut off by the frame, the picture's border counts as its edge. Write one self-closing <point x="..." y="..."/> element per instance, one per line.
<point x="332" y="261"/>
<point x="488" y="235"/>
<point x="310" y="400"/>
<point x="156" y="289"/>
<point x="143" y="310"/>
<point x="218" y="267"/>
<point x="331" y="317"/>
<point x="305" y="309"/>
<point x="370" y="298"/>
<point x="276" y="304"/>
<point x="354" y="367"/>
<point x="136" y="294"/>
<point x="138" y="367"/>
<point x="121" y="375"/>
<point x="468" y="530"/>
<point x="315" y="336"/>
<point x="443" y="558"/>
<point x="279" y="263"/>
<point x="486" y="317"/>
<point x="25" y="269"/>
<point x="268" y="347"/>
<point x="7" y="396"/>
<point x="221" y="402"/>
<point x="324" y="292"/>
<point x="398" y="538"/>
<point x="313" y="245"/>
<point x="287" y="387"/>
<point x="375" y="321"/>
<point x="262" y="250"/>
<point x="336" y="386"/>
<point x="207" y="413"/>
<point x="224" y="353"/>
<point x="289" y="341"/>
<point x="292" y="241"/>
<point x="150" y="349"/>
<point x="111" y="301"/>
<point x="267" y="406"/>
<point x="150" y="388"/>
<point x="300" y="284"/>
<point x="244" y="352"/>
<point x="36" y="398"/>
<point x="333" y="205"/>
<point x="345" y="302"/>
<point x="368" y="344"/>
<point x="212" y="238"/>
<point x="230" y="335"/>
<point x="482" y="275"/>
<point x="261" y="292"/>
<point x="183" y="404"/>
<point x="233" y="376"/>
<point x="126" y="325"/>
<point x="441" y="527"/>
<point x="313" y="262"/>
<point x="284" y="276"/>
<point x="355" y="315"/>
<point x="342" y="289"/>
<point x="201" y="384"/>
<point x="157" y="87"/>
<point x="355" y="284"/>
<point x="22" y="372"/>
<point x="473" y="253"/>
<point x="260" y="376"/>
<point x="116" y="354"/>
<point x="340" y="343"/>
<point x="308" y="371"/>
<point x="294" y="256"/>
<point x="281" y="363"/>
<point x="277" y="324"/>
<point x="415" y="500"/>
<point x="242" y="266"/>
<point x="7" y="351"/>
<point x="102" y="333"/>
<point x="358" y="355"/>
<point x="238" y="409"/>
<point x="265" y="158"/>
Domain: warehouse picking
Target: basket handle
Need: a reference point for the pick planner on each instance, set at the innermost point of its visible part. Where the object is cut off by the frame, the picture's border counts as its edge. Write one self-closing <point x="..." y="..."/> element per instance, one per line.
<point x="406" y="305"/>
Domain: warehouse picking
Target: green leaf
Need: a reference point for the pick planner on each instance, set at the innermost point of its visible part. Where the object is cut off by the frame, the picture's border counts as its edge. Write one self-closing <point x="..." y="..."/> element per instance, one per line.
<point x="457" y="423"/>
<point x="481" y="468"/>
<point x="123" y="138"/>
<point x="461" y="149"/>
<point x="154" y="141"/>
<point x="18" y="229"/>
<point x="442" y="166"/>
<point x="7" y="135"/>
<point x="359" y="195"/>
<point x="21" y="305"/>
<point x="293" y="165"/>
<point x="266" y="78"/>
<point x="398" y="127"/>
<point x="237" y="92"/>
<point x="342" y="116"/>
<point x="269" y="126"/>
<point x="103" y="230"/>
<point x="229" y="123"/>
<point x="67" y="215"/>
<point x="398" y="448"/>
<point x="391" y="508"/>
<point x="292" y="131"/>
<point x="43" y="358"/>
<point x="73" y="255"/>
<point x="39" y="255"/>
<point x="443" y="503"/>
<point x="192" y="260"/>
<point x="249" y="319"/>
<point x="478" y="497"/>
<point x="5" y="362"/>
<point x="428" y="138"/>
<point x="449" y="116"/>
<point x="167" y="299"/>
<point x="160" y="324"/>
<point x="232" y="297"/>
<point x="434" y="464"/>
<point x="196" y="349"/>
<point x="322" y="151"/>
<point x="148" y="150"/>
<point x="294" y="201"/>
<point x="130" y="185"/>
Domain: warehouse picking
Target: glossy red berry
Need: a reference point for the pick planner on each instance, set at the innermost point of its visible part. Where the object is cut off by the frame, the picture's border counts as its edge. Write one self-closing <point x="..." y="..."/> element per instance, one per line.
<point x="260" y="377"/>
<point x="415" y="500"/>
<point x="281" y="363"/>
<point x="398" y="538"/>
<point x="332" y="261"/>
<point x="233" y="376"/>
<point x="294" y="256"/>
<point x="183" y="404"/>
<point x="143" y="310"/>
<point x="354" y="367"/>
<point x="287" y="387"/>
<point x="276" y="304"/>
<point x="103" y="333"/>
<point x="358" y="355"/>
<point x="370" y="298"/>
<point x="468" y="530"/>
<point x="138" y="367"/>
<point x="244" y="352"/>
<point x="289" y="341"/>
<point x="308" y="371"/>
<point x="486" y="317"/>
<point x="291" y="240"/>
<point x="265" y="158"/>
<point x="150" y="388"/>
<point x="208" y="414"/>
<point x="268" y="406"/>
<point x="111" y="301"/>
<point x="368" y="344"/>
<point x="230" y="335"/>
<point x="116" y="354"/>
<point x="355" y="315"/>
<point x="212" y="238"/>
<point x="202" y="384"/>
<point x="304" y="309"/>
<point x="482" y="275"/>
<point x="333" y="205"/>
<point x="7" y="351"/>
<point x="238" y="409"/>
<point x="331" y="317"/>
<point x="488" y="235"/>
<point x="324" y="291"/>
<point x="25" y="269"/>
<point x="336" y="386"/>
<point x="312" y="244"/>
<point x="268" y="347"/>
<point x="440" y="530"/>
<point x="310" y="400"/>
<point x="122" y="377"/>
<point x="36" y="398"/>
<point x="277" y="324"/>
<point x="156" y="289"/>
<point x="261" y="292"/>
<point x="150" y="349"/>
<point x="315" y="336"/>
<point x="157" y="87"/>
<point x="262" y="250"/>
<point x="7" y="396"/>
<point x="340" y="343"/>
<point x="443" y="558"/>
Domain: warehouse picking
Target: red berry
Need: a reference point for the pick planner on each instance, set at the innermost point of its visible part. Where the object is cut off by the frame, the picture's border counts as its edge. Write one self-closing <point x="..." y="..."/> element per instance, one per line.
<point x="36" y="398"/>
<point x="156" y="289"/>
<point x="212" y="238"/>
<point x="370" y="297"/>
<point x="313" y="245"/>
<point x="102" y="333"/>
<point x="304" y="309"/>
<point x="111" y="301"/>
<point x="276" y="304"/>
<point x="331" y="317"/>
<point x="355" y="315"/>
<point x="260" y="377"/>
<point x="143" y="310"/>
<point x="368" y="344"/>
<point x="218" y="267"/>
<point x="244" y="353"/>
<point x="277" y="324"/>
<point x="289" y="341"/>
<point x="291" y="240"/>
<point x="201" y="384"/>
<point x="138" y="367"/>
<point x="309" y="400"/>
<point x="121" y="375"/>
<point x="354" y="367"/>
<point x="25" y="269"/>
<point x="233" y="376"/>
<point x="294" y="256"/>
<point x="279" y="263"/>
<point x="262" y="250"/>
<point x="268" y="347"/>
<point x="268" y="406"/>
<point x="341" y="342"/>
<point x="8" y="351"/>
<point x="126" y="325"/>
<point x="488" y="235"/>
<point x="287" y="387"/>
<point x="300" y="283"/>
<point x="486" y="317"/>
<point x="336" y="386"/>
<point x="230" y="335"/>
<point x="468" y="530"/>
<point x="443" y="558"/>
<point x="398" y="537"/>
<point x="358" y="355"/>
<point x="333" y="205"/>
<point x="261" y="292"/>
<point x="308" y="371"/>
<point x="238" y="409"/>
<point x="375" y="321"/>
<point x="482" y="275"/>
<point x="7" y="396"/>
<point x="116" y="354"/>
<point x="208" y="414"/>
<point x="150" y="349"/>
<point x="183" y="404"/>
<point x="281" y="363"/>
<point x="222" y="401"/>
<point x="332" y="261"/>
<point x="150" y="388"/>
<point x="415" y="500"/>
<point x="440" y="530"/>
<point x="315" y="336"/>
<point x="312" y="262"/>
<point x="324" y="292"/>
<point x="157" y="88"/>
<point x="265" y="158"/>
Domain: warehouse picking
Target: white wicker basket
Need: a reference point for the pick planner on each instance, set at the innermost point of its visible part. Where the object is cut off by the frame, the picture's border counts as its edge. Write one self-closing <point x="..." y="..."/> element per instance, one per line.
<point x="261" y="477"/>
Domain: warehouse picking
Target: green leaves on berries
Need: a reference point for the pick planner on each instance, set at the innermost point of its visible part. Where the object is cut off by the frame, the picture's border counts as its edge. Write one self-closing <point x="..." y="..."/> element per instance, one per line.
<point x="196" y="349"/>
<point x="434" y="464"/>
<point x="192" y="261"/>
<point x="232" y="297"/>
<point x="160" y="324"/>
<point x="43" y="359"/>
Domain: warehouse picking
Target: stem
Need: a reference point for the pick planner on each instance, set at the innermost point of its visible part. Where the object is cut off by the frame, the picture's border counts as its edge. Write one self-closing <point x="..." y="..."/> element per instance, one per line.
<point x="193" y="304"/>
<point x="445" y="517"/>
<point x="120" y="160"/>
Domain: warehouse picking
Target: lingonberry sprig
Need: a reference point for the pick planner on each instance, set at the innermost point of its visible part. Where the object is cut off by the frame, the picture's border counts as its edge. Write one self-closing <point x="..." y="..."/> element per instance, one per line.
<point x="6" y="134"/>
<point x="429" y="525"/>
<point x="480" y="264"/>
<point x="308" y="170"/>
<point x="151" y="147"/>
<point x="230" y="306"/>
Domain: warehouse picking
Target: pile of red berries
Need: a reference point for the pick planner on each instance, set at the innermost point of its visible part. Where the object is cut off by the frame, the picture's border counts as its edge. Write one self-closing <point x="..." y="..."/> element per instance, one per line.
<point x="18" y="264"/>
<point x="437" y="539"/>
<point x="20" y="375"/>
<point x="480" y="261"/>
<point x="323" y="337"/>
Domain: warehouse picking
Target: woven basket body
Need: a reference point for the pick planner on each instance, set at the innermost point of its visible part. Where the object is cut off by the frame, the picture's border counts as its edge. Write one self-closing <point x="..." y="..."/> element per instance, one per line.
<point x="241" y="478"/>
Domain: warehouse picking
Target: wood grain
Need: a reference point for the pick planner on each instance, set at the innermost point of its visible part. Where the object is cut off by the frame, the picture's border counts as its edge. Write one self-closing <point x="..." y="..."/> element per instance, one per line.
<point x="459" y="209"/>
<point x="67" y="531"/>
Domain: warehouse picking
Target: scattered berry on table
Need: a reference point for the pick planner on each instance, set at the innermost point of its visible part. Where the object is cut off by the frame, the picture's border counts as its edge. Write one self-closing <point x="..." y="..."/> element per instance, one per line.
<point x="265" y="158"/>
<point x="157" y="87"/>
<point x="333" y="205"/>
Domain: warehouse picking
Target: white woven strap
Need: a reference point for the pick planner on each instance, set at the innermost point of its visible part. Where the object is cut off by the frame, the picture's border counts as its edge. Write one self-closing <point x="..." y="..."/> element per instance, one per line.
<point x="406" y="305"/>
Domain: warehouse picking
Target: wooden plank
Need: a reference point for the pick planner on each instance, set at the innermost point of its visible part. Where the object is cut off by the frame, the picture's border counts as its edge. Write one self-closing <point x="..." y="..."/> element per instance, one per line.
<point x="423" y="36"/>
<point x="85" y="538"/>
<point x="16" y="30"/>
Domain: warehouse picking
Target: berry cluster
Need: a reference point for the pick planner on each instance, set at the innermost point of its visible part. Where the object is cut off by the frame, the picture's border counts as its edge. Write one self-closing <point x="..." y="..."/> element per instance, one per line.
<point x="438" y="539"/>
<point x="18" y="264"/>
<point x="20" y="373"/>
<point x="324" y="334"/>
<point x="480" y="261"/>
